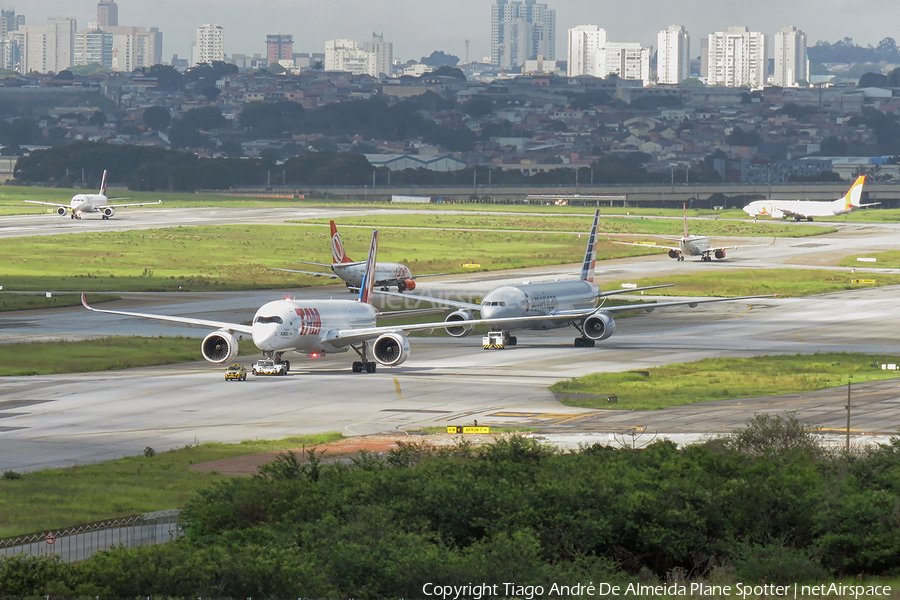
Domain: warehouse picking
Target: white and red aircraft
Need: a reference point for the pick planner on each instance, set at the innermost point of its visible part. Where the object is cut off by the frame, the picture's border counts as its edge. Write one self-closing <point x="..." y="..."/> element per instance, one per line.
<point x="550" y="305"/>
<point x="343" y="267"/>
<point x="801" y="210"/>
<point x="91" y="203"/>
<point x="691" y="245"/>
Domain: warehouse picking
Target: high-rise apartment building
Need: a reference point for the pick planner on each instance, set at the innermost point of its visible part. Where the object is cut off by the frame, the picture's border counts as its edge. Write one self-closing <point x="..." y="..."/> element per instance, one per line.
<point x="93" y="46"/>
<point x="791" y="64"/>
<point x="374" y="58"/>
<point x="673" y="55"/>
<point x="737" y="58"/>
<point x="279" y="47"/>
<point x="107" y="13"/>
<point x="520" y="31"/>
<point x="10" y="55"/>
<point x="591" y="53"/>
<point x="46" y="48"/>
<point x="210" y="44"/>
<point x="381" y="55"/>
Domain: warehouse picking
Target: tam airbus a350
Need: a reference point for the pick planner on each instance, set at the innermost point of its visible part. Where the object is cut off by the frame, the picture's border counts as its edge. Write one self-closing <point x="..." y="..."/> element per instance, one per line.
<point x="551" y="305"/>
<point x="81" y="204"/>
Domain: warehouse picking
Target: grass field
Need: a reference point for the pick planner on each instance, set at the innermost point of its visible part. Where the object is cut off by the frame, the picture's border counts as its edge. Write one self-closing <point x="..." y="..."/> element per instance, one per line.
<point x="884" y="260"/>
<point x="18" y="301"/>
<point x="239" y="256"/>
<point x="102" y="354"/>
<point x="582" y="224"/>
<point x="722" y="379"/>
<point x="55" y="498"/>
<point x="783" y="282"/>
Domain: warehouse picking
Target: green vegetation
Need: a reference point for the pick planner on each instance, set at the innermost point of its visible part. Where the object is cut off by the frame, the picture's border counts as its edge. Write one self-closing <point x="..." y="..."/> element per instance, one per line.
<point x="102" y="354"/>
<point x="19" y="301"/>
<point x="883" y="260"/>
<point x="765" y="506"/>
<point x="239" y="256"/>
<point x="56" y="498"/>
<point x="721" y="379"/>
<point x="671" y="227"/>
<point x="787" y="283"/>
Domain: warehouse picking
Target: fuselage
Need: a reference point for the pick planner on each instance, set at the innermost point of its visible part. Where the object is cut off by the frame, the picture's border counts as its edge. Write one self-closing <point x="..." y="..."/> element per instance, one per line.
<point x="303" y="326"/>
<point x="694" y="245"/>
<point x="807" y="208"/>
<point x="385" y="273"/>
<point x="87" y="203"/>
<point x="535" y="299"/>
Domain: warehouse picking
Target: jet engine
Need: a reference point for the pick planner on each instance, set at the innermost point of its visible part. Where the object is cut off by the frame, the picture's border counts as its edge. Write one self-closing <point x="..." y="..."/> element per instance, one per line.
<point x="61" y="211"/>
<point x="674" y="253"/>
<point x="391" y="349"/>
<point x="219" y="347"/>
<point x="459" y="316"/>
<point x="720" y="254"/>
<point x="108" y="212"/>
<point x="599" y="326"/>
<point x="407" y="285"/>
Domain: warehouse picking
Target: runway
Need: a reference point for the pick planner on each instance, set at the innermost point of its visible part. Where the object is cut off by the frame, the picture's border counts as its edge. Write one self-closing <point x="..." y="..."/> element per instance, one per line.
<point x="73" y="419"/>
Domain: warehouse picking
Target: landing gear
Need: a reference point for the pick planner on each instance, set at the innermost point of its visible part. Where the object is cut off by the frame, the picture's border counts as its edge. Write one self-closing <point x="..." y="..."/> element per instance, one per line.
<point x="498" y="340"/>
<point x="277" y="358"/>
<point x="584" y="342"/>
<point x="706" y="258"/>
<point x="681" y="257"/>
<point x="105" y="217"/>
<point x="364" y="365"/>
<point x="384" y="288"/>
<point x="809" y="219"/>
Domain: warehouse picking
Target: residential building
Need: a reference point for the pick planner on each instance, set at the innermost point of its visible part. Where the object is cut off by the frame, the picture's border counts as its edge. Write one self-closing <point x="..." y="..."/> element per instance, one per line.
<point x="279" y="47"/>
<point x="381" y="55"/>
<point x="522" y="31"/>
<point x="591" y="53"/>
<point x="673" y="58"/>
<point x="10" y="53"/>
<point x="791" y="64"/>
<point x="136" y="47"/>
<point x="107" y="13"/>
<point x="93" y="46"/>
<point x="373" y="59"/>
<point x="210" y="44"/>
<point x="737" y="58"/>
<point x="46" y="48"/>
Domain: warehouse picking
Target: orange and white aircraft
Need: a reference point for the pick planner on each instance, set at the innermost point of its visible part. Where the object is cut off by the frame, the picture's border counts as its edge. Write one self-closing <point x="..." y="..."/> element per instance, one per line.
<point x="91" y="203"/>
<point x="801" y="210"/>
<point x="343" y="267"/>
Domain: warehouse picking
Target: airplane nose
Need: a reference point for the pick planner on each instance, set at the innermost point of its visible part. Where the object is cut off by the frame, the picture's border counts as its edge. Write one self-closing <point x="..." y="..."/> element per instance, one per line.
<point x="264" y="335"/>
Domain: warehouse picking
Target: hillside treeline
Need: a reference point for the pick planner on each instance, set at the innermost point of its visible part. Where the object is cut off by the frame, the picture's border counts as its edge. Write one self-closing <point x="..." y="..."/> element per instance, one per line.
<point x="763" y="508"/>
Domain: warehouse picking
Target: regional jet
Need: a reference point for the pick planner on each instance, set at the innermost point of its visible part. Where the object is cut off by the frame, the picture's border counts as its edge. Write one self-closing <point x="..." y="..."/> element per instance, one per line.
<point x="91" y="203"/>
<point x="692" y="245"/>
<point x="343" y="267"/>
<point x="550" y="305"/>
<point x="800" y="210"/>
<point x="313" y="327"/>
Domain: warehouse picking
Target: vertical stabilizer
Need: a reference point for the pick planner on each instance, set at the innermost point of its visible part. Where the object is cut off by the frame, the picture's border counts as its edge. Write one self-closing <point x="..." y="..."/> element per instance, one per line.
<point x="590" y="253"/>
<point x="685" y="219"/>
<point x="854" y="194"/>
<point x="368" y="282"/>
<point x="337" y="247"/>
<point x="103" y="184"/>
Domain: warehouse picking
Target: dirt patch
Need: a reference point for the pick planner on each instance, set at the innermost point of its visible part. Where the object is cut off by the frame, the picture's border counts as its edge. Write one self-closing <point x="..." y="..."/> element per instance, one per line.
<point x="249" y="464"/>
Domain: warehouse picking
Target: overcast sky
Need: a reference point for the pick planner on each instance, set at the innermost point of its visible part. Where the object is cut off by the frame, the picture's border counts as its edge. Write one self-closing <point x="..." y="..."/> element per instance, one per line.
<point x="417" y="27"/>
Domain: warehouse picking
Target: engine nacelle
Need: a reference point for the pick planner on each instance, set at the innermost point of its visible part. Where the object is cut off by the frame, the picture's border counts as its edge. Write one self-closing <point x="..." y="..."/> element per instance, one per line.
<point x="674" y="253"/>
<point x="108" y="212"/>
<point x="219" y="347"/>
<point x="599" y="326"/>
<point x="720" y="254"/>
<point x="391" y="349"/>
<point x="61" y="211"/>
<point x="460" y="316"/>
<point x="407" y="285"/>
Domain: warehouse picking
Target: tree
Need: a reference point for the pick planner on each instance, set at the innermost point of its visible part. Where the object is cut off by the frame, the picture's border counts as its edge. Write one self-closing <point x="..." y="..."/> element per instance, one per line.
<point x="318" y="65"/>
<point x="98" y="118"/>
<point x="439" y="59"/>
<point x="276" y="68"/>
<point x="64" y="75"/>
<point x="157" y="117"/>
<point x="205" y="117"/>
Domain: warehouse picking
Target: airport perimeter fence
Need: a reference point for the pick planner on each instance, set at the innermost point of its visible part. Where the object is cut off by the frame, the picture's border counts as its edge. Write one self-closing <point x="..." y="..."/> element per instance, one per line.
<point x="81" y="541"/>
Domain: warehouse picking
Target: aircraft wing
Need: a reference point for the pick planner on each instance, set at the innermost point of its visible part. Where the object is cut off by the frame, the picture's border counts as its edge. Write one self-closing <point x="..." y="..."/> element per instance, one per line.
<point x="651" y="245"/>
<point x="634" y="289"/>
<point x="313" y="273"/>
<point x="133" y="204"/>
<point x="248" y="329"/>
<point x="306" y="262"/>
<point x="746" y="246"/>
<point x="57" y="204"/>
<point x="345" y="337"/>
<point x="442" y="301"/>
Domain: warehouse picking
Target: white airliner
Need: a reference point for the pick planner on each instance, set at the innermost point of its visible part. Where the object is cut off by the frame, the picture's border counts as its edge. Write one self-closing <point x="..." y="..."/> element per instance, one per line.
<point x="311" y="327"/>
<point x="800" y="210"/>
<point x="91" y="203"/>
<point x="352" y="272"/>
<point x="550" y="305"/>
<point x="691" y="245"/>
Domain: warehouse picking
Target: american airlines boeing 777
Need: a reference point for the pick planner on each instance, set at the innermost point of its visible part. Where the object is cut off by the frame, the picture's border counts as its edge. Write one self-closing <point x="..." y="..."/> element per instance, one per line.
<point x="90" y="203"/>
<point x="550" y="305"/>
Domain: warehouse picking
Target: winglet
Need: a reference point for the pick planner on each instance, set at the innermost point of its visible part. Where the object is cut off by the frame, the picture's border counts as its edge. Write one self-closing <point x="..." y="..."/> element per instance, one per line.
<point x="854" y="194"/>
<point x="337" y="247"/>
<point x="590" y="253"/>
<point x="103" y="184"/>
<point x="368" y="281"/>
<point x="84" y="301"/>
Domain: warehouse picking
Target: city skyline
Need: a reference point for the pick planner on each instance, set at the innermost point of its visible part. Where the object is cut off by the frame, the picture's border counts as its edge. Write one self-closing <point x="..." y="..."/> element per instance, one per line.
<point x="417" y="29"/>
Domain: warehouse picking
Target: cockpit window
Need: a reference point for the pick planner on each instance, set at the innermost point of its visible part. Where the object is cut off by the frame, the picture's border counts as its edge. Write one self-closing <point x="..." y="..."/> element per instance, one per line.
<point x="497" y="303"/>
<point x="268" y="320"/>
